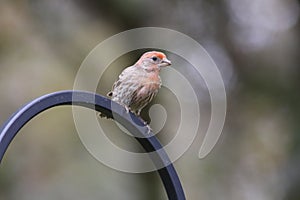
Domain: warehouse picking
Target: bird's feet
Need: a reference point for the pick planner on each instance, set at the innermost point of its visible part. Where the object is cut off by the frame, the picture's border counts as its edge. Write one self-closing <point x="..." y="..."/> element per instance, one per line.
<point x="127" y="109"/>
<point x="149" y="129"/>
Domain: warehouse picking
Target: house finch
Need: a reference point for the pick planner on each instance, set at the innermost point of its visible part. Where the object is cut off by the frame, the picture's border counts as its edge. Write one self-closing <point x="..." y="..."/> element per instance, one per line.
<point x="139" y="83"/>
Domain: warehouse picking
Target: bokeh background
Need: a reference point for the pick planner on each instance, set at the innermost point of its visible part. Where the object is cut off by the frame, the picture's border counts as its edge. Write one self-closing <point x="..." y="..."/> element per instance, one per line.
<point x="255" y="44"/>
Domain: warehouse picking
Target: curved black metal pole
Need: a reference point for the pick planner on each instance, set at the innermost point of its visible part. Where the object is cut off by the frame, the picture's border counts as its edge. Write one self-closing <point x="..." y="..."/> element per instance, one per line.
<point x="102" y="104"/>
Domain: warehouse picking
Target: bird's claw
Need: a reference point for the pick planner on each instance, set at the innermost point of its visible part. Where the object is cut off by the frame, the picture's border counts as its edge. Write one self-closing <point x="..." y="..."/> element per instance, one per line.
<point x="127" y="109"/>
<point x="149" y="129"/>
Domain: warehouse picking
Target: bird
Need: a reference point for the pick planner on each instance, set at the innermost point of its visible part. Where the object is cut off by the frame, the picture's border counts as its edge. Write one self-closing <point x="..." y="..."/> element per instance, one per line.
<point x="138" y="84"/>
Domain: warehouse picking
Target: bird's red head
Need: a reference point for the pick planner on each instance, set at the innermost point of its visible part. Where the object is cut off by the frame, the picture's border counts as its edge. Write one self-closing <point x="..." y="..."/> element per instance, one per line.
<point x="153" y="59"/>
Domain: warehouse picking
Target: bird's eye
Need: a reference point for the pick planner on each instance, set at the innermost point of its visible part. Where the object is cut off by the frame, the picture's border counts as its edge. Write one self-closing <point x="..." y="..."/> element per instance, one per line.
<point x="154" y="58"/>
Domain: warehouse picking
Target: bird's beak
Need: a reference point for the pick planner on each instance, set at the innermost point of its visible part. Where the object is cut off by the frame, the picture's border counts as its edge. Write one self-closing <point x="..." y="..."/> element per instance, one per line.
<point x="165" y="62"/>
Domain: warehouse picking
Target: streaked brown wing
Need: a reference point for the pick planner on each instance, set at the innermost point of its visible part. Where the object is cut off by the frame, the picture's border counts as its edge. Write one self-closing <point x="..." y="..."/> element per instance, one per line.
<point x="124" y="74"/>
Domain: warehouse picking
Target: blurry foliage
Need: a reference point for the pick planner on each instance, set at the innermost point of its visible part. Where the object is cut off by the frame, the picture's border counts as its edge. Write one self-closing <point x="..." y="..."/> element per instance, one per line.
<point x="256" y="47"/>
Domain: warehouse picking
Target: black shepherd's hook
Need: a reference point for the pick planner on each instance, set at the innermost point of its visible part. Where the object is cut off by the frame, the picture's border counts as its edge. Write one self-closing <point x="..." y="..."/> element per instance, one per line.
<point x="102" y="104"/>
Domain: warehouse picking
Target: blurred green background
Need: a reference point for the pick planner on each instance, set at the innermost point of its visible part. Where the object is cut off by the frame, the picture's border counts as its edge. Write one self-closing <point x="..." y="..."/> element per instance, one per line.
<point x="255" y="44"/>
